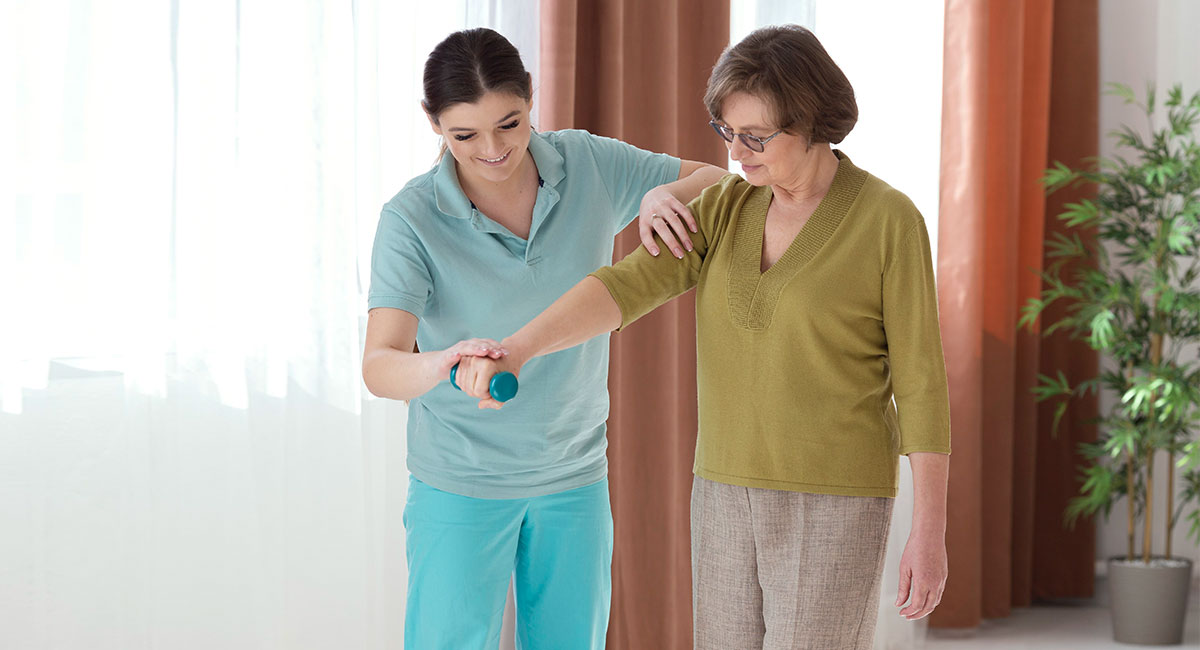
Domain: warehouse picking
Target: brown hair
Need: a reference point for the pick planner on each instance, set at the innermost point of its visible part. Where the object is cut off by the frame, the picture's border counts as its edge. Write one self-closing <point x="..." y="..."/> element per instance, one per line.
<point x="470" y="63"/>
<point x="786" y="67"/>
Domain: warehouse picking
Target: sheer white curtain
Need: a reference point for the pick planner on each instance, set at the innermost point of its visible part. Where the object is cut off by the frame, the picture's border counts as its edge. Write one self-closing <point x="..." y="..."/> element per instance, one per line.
<point x="187" y="456"/>
<point x="894" y="61"/>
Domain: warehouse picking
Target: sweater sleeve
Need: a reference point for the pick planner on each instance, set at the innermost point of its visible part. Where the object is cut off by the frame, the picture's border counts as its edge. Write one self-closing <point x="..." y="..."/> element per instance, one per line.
<point x="641" y="282"/>
<point x="914" y="341"/>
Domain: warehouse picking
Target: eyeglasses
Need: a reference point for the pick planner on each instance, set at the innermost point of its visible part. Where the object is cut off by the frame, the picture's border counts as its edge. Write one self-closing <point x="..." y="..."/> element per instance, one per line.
<point x="752" y="142"/>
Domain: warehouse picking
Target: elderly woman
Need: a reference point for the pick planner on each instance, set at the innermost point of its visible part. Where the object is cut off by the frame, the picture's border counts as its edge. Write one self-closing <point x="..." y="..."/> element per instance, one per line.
<point x="819" y="362"/>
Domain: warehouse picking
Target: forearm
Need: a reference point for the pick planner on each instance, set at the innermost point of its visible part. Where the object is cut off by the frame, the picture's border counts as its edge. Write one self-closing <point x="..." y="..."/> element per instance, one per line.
<point x="586" y="311"/>
<point x="931" y="473"/>
<point x="693" y="178"/>
<point x="400" y="375"/>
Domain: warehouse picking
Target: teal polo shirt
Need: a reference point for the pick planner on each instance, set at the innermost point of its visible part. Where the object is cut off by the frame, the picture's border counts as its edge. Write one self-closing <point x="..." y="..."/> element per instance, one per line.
<point x="463" y="275"/>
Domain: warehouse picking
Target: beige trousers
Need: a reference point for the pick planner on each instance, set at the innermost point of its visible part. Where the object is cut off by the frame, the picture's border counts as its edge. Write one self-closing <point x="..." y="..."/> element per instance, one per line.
<point x="777" y="570"/>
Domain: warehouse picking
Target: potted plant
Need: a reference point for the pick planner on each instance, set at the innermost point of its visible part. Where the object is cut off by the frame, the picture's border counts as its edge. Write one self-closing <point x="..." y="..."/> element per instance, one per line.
<point x="1127" y="270"/>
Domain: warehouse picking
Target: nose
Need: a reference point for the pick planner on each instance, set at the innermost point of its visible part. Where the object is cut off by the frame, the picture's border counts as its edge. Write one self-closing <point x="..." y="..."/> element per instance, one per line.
<point x="737" y="149"/>
<point x="492" y="146"/>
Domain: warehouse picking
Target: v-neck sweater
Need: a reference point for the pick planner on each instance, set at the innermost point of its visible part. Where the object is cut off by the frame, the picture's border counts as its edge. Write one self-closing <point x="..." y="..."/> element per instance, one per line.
<point x="797" y="366"/>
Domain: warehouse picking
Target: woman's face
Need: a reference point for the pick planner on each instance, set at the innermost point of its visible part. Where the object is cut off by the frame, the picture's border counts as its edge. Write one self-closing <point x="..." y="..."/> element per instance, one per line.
<point x="780" y="159"/>
<point x="488" y="138"/>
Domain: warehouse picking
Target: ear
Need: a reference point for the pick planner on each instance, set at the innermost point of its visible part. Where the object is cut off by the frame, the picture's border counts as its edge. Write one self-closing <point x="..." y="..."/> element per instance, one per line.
<point x="432" y="120"/>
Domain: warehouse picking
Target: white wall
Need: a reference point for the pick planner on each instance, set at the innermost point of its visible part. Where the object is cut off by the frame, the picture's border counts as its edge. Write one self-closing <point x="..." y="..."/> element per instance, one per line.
<point x="1140" y="42"/>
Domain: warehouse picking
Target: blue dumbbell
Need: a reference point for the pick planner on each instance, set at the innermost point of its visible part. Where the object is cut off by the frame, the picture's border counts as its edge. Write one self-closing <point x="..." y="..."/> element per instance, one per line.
<point x="503" y="386"/>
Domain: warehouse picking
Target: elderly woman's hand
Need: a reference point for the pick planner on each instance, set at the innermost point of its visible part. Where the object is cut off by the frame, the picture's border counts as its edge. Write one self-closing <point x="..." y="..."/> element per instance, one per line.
<point x="474" y="376"/>
<point x="923" y="571"/>
<point x="444" y="360"/>
<point x="662" y="213"/>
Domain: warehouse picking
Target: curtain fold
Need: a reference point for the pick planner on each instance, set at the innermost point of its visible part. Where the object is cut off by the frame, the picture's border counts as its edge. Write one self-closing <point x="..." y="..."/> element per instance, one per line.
<point x="1020" y="91"/>
<point x="637" y="71"/>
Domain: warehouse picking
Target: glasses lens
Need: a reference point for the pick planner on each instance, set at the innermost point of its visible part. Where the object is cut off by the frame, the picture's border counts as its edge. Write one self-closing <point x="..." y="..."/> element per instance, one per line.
<point x="752" y="143"/>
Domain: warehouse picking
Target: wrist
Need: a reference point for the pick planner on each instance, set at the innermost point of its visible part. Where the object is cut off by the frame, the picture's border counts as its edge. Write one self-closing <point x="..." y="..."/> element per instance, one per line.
<point x="928" y="529"/>
<point x="519" y="351"/>
<point x="430" y="365"/>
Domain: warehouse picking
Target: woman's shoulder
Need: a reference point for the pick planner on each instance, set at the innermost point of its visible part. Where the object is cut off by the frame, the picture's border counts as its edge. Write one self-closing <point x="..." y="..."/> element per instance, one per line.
<point x="416" y="197"/>
<point x="891" y="206"/>
<point x="570" y="142"/>
<point x="732" y="182"/>
<point x="731" y="190"/>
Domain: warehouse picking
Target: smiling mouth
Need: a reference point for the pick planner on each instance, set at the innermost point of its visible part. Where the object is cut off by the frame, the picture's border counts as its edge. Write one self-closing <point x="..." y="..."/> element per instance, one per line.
<point x="495" y="161"/>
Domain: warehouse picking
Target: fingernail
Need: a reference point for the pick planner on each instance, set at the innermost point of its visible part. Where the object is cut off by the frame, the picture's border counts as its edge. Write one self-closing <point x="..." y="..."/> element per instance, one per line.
<point x="679" y="254"/>
<point x="654" y="252"/>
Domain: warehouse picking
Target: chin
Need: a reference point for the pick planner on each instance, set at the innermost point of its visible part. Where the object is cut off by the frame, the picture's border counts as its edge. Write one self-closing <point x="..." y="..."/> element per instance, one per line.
<point x="757" y="176"/>
<point x="495" y="174"/>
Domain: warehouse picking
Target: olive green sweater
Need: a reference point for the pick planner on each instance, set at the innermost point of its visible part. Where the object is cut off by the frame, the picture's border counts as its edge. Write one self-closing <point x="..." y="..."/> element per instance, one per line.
<point x="797" y="366"/>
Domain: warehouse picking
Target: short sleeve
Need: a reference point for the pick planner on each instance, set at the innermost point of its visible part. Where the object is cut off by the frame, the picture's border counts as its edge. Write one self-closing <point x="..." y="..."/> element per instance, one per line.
<point x="400" y="276"/>
<point x="629" y="172"/>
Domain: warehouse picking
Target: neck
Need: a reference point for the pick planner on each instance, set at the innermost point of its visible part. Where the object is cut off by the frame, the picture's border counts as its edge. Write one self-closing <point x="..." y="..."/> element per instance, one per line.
<point x="812" y="178"/>
<point x="480" y="189"/>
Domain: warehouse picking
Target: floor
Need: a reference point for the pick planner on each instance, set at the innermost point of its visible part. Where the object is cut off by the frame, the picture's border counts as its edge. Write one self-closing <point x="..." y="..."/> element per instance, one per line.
<point x="1068" y="624"/>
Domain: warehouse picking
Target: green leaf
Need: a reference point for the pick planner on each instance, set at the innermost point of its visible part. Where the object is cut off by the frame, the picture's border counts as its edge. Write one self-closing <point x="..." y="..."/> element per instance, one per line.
<point x="1120" y="90"/>
<point x="1179" y="238"/>
<point x="1058" y="176"/>
<point x="1030" y="312"/>
<point x="1049" y="387"/>
<point x="1059" y="411"/>
<point x="1175" y="96"/>
<point x="1060" y="245"/>
<point x="1078" y="214"/>
<point x="1102" y="329"/>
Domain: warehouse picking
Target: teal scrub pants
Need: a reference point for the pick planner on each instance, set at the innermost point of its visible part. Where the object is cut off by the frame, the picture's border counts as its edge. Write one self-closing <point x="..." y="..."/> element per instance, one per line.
<point x="462" y="551"/>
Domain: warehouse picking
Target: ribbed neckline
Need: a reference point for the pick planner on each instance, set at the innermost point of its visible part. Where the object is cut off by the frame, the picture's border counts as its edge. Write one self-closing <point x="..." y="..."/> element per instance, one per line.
<point x="753" y="293"/>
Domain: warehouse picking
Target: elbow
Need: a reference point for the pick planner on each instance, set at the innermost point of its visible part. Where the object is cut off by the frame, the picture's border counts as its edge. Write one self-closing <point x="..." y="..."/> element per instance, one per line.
<point x="698" y="169"/>
<point x="713" y="173"/>
<point x="371" y="379"/>
<point x="373" y="391"/>
<point x="369" y="384"/>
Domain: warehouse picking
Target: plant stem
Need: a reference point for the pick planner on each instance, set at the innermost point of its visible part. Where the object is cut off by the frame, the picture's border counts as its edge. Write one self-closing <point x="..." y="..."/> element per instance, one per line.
<point x="1156" y="353"/>
<point x="1130" y="495"/>
<point x="1147" y="540"/>
<point x="1170" y="498"/>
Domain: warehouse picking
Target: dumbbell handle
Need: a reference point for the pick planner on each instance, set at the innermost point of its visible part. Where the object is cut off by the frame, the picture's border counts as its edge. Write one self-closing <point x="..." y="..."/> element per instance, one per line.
<point x="503" y="386"/>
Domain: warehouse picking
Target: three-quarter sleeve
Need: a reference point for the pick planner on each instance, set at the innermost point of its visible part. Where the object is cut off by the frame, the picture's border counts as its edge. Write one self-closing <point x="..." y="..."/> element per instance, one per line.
<point x="641" y="282"/>
<point x="914" y="343"/>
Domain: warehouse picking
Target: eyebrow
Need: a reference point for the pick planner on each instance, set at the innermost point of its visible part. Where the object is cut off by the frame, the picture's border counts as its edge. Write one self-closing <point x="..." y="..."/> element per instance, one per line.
<point x="503" y="119"/>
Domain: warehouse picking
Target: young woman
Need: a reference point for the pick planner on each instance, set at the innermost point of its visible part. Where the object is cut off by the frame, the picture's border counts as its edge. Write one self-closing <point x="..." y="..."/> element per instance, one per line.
<point x="506" y="222"/>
